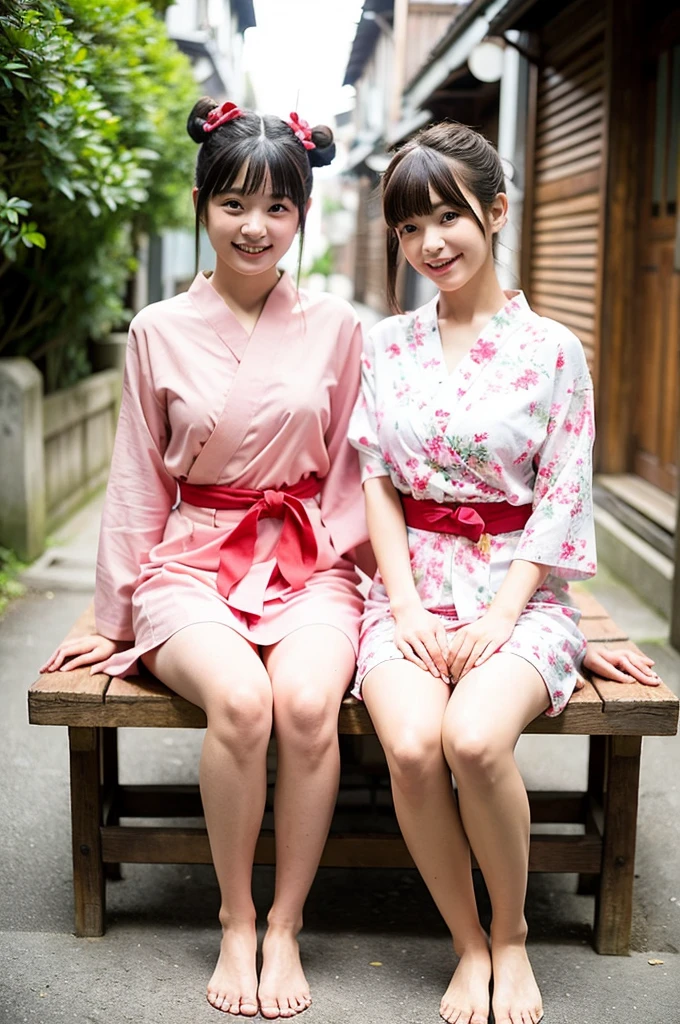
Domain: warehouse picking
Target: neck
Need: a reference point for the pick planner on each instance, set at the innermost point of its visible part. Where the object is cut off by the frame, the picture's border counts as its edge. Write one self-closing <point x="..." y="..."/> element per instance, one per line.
<point x="481" y="297"/>
<point x="247" y="292"/>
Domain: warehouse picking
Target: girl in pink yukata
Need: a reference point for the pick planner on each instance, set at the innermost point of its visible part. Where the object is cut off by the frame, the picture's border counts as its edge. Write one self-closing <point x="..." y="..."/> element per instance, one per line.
<point x="475" y="429"/>
<point x="233" y="509"/>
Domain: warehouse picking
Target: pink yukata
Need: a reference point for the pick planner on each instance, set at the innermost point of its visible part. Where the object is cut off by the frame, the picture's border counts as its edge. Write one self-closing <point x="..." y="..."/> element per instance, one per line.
<point x="205" y="403"/>
<point x="513" y="422"/>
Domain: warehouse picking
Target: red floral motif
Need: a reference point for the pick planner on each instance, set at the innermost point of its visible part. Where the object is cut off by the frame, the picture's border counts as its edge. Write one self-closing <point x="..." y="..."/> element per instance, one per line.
<point x="220" y="115"/>
<point x="483" y="351"/>
<point x="393" y="349"/>
<point x="528" y="379"/>
<point x="301" y="129"/>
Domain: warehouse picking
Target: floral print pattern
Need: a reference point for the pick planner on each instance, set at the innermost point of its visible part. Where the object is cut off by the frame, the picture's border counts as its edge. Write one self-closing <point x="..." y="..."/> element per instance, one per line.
<point x="512" y="422"/>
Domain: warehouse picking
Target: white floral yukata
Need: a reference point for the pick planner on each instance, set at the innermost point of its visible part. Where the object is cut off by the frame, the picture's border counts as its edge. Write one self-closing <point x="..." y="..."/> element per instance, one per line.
<point x="512" y="422"/>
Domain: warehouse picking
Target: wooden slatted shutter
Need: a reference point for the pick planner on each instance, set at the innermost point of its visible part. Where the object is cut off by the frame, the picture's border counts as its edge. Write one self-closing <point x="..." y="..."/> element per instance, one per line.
<point x="568" y="174"/>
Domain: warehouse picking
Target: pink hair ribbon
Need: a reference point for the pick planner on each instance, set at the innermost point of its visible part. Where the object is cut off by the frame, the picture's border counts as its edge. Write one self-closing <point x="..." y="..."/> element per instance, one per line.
<point x="302" y="130"/>
<point x="220" y="115"/>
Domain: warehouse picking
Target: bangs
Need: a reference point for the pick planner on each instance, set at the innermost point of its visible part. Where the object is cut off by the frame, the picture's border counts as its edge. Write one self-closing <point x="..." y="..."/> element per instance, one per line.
<point x="407" y="192"/>
<point x="264" y="162"/>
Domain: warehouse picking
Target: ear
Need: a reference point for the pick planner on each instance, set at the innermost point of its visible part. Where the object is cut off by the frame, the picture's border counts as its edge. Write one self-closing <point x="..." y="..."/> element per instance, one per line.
<point x="498" y="212"/>
<point x="194" y="196"/>
<point x="308" y="205"/>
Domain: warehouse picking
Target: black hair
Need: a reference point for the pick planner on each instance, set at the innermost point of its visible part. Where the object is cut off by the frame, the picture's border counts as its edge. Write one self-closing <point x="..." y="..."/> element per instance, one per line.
<point x="269" y="147"/>
<point x="426" y="160"/>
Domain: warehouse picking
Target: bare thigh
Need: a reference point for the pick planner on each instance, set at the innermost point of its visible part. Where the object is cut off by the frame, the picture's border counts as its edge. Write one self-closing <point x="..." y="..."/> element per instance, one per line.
<point x="310" y="670"/>
<point x="495" y="702"/>
<point x="407" y="706"/>
<point x="204" y="661"/>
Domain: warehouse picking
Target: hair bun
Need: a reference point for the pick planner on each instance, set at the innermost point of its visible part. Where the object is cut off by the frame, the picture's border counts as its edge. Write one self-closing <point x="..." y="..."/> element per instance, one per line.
<point x="198" y="117"/>
<point x="322" y="137"/>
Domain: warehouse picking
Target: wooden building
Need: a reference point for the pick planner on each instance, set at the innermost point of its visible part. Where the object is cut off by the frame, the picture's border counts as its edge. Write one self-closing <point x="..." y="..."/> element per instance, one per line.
<point x="595" y="101"/>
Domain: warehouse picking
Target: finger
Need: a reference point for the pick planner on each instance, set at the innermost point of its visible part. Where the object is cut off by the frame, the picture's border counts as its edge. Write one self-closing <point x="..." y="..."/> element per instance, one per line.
<point x="97" y="668"/>
<point x="487" y="651"/>
<point x="434" y="649"/>
<point x="83" y="659"/>
<point x="421" y="650"/>
<point x="461" y="657"/>
<point x="641" y="663"/>
<point x="410" y="655"/>
<point x="478" y="648"/>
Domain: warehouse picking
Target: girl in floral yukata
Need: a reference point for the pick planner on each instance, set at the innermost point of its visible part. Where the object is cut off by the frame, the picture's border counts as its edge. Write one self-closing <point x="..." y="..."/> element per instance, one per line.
<point x="240" y="592"/>
<point x="475" y="429"/>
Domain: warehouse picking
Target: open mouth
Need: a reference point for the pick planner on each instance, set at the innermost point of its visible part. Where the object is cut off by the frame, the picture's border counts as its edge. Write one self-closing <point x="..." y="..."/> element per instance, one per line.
<point x="441" y="266"/>
<point x="251" y="250"/>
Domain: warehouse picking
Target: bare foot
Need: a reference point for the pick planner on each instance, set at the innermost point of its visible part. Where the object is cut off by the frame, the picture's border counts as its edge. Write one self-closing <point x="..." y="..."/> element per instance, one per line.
<point x="233" y="986"/>
<point x="466" y="1000"/>
<point x="283" y="990"/>
<point x="516" y="997"/>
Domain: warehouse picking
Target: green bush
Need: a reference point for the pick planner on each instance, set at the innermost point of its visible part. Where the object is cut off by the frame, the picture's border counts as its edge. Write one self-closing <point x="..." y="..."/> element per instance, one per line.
<point x="93" y="101"/>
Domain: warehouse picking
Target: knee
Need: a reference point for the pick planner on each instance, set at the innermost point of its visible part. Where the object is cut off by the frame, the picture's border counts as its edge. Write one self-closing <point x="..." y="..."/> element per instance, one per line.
<point x="240" y="714"/>
<point x="306" y="718"/>
<point x="415" y="759"/>
<point x="473" y="753"/>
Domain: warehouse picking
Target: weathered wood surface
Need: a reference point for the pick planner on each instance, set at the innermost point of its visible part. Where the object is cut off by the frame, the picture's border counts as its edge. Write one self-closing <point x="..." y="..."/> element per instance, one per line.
<point x="600" y="708"/>
<point x="159" y="845"/>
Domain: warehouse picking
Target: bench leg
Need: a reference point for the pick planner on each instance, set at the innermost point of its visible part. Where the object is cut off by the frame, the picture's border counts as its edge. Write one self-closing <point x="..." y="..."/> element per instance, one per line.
<point x="86" y="817"/>
<point x="597" y="763"/>
<point x="110" y="784"/>
<point x="614" y="903"/>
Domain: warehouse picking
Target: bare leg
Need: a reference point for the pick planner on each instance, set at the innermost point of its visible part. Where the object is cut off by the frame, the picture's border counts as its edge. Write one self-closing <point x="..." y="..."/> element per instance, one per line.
<point x="214" y="667"/>
<point x="407" y="706"/>
<point x="310" y="671"/>
<point x="488" y="711"/>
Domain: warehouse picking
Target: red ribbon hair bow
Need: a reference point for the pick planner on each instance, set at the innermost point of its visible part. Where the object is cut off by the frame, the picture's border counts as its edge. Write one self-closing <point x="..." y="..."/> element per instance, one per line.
<point x="220" y="115"/>
<point x="302" y="130"/>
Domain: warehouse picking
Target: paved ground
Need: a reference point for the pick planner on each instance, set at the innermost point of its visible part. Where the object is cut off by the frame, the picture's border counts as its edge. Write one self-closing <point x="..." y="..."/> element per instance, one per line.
<point x="374" y="947"/>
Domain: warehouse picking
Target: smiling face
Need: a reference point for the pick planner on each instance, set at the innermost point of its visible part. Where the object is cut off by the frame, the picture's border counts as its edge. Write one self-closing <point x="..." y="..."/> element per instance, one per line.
<point x="250" y="233"/>
<point x="447" y="244"/>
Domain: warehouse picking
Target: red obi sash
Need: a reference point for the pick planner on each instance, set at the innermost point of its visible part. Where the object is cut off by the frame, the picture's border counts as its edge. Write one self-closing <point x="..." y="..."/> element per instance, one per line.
<point x="470" y="520"/>
<point x="296" y="549"/>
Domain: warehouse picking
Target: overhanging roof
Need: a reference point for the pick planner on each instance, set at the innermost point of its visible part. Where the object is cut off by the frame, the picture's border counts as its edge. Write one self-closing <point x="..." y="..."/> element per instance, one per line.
<point x="245" y="12"/>
<point x="366" y="38"/>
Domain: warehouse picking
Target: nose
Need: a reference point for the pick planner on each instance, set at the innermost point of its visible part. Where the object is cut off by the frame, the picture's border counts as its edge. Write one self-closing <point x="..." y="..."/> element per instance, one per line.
<point x="433" y="243"/>
<point x="254" y="227"/>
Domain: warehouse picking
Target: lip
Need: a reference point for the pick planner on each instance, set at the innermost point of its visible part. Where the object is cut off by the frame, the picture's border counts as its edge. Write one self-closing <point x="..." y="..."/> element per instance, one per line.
<point x="251" y="255"/>
<point x="445" y="267"/>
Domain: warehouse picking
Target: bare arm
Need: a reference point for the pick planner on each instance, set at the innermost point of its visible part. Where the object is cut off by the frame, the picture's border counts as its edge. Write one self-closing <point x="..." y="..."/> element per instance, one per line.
<point x="419" y="635"/>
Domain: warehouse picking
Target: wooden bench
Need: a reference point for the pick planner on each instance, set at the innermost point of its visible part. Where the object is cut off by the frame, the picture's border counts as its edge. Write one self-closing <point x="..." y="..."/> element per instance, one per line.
<point x="614" y="716"/>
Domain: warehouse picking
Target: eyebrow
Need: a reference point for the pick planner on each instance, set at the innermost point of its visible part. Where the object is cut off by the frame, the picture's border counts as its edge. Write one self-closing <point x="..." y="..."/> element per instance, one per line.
<point x="239" y="192"/>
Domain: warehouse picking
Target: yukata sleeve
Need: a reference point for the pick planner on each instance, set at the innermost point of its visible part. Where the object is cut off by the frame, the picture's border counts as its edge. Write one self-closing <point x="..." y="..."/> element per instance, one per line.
<point x="363" y="429"/>
<point x="139" y="495"/>
<point x="342" y="500"/>
<point x="561" y="530"/>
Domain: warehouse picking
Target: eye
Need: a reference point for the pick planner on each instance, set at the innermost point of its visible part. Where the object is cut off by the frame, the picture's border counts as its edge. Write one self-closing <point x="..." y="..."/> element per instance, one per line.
<point x="407" y="229"/>
<point x="450" y="216"/>
<point x="278" y="208"/>
<point x="232" y="204"/>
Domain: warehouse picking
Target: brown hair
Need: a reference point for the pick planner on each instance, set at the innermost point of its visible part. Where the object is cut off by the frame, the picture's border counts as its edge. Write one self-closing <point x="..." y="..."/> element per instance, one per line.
<point x="268" y="146"/>
<point x="427" y="161"/>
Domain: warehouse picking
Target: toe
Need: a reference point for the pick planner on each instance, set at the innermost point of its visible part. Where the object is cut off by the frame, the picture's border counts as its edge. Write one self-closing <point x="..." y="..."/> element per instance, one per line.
<point x="248" y="1007"/>
<point x="270" y="1011"/>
